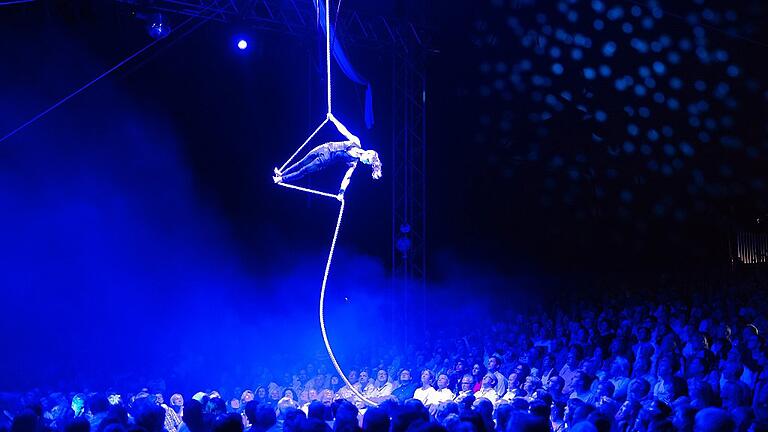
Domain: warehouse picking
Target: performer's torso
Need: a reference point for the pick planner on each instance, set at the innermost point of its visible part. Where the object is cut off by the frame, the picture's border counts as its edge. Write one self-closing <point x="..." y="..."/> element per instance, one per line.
<point x="340" y="150"/>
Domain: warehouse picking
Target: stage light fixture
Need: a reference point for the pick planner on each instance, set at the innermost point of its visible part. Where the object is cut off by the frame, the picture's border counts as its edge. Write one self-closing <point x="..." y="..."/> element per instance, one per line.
<point x="242" y="44"/>
<point x="156" y="25"/>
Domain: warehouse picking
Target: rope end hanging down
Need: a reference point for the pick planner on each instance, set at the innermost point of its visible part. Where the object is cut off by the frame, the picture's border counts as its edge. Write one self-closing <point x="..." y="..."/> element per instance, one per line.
<point x="322" y="312"/>
<point x="328" y="52"/>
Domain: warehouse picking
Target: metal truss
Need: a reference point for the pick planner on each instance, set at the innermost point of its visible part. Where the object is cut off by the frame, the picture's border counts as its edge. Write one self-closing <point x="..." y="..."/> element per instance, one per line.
<point x="295" y="18"/>
<point x="409" y="216"/>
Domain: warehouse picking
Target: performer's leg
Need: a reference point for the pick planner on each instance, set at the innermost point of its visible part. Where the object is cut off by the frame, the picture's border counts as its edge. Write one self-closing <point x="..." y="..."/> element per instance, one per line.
<point x="314" y="161"/>
<point x="306" y="160"/>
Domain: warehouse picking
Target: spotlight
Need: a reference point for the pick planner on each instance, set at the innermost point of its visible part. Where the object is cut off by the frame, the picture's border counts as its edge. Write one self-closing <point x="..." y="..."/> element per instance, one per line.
<point x="242" y="44"/>
<point x="156" y="25"/>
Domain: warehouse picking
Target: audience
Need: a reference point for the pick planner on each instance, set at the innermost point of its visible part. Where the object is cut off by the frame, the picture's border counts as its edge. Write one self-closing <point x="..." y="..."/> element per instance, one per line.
<point x="668" y="360"/>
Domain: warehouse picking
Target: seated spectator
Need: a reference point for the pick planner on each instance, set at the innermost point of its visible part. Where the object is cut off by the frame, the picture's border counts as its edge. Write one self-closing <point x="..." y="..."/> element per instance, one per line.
<point x="733" y="395"/>
<point x="488" y="389"/>
<point x="382" y="388"/>
<point x="28" y="421"/>
<point x="557" y="416"/>
<point x="494" y="364"/>
<point x="456" y="374"/>
<point x="604" y="394"/>
<point x="376" y="420"/>
<point x="555" y="389"/>
<point x="326" y="397"/>
<point x="426" y="390"/>
<point x="290" y="394"/>
<point x="99" y="404"/>
<point x="318" y="410"/>
<point x="514" y="386"/>
<point x="274" y="397"/>
<point x="699" y="367"/>
<point x="246" y="397"/>
<point x="346" y="392"/>
<point x="652" y="413"/>
<point x="446" y="409"/>
<point x="441" y="394"/>
<point x="259" y="395"/>
<point x="294" y="420"/>
<point x="530" y="385"/>
<point x="520" y="404"/>
<point x="603" y="422"/>
<point x="406" y="387"/>
<point x="478" y="372"/>
<point x="260" y="417"/>
<point x="465" y="388"/>
<point x="484" y="408"/>
<point x="542" y="395"/>
<point x="642" y="369"/>
<point x="547" y="368"/>
<point x="148" y="414"/>
<point x="582" y="385"/>
<point x="363" y="384"/>
<point x="411" y="414"/>
<point x="713" y="420"/>
<point x="81" y="424"/>
<point x="540" y="408"/>
<point x="569" y="369"/>
<point x="177" y="404"/>
<point x="744" y="418"/>
<point x="682" y="417"/>
<point x="231" y="422"/>
<point x="501" y="416"/>
<point x="669" y="386"/>
<point x="619" y="377"/>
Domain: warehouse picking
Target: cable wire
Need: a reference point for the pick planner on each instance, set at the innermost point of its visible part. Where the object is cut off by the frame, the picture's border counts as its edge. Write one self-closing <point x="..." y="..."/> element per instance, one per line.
<point x="94" y="81"/>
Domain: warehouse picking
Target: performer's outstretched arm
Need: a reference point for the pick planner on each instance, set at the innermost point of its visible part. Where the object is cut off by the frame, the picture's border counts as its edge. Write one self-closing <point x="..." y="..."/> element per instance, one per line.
<point x="345" y="181"/>
<point x="343" y="129"/>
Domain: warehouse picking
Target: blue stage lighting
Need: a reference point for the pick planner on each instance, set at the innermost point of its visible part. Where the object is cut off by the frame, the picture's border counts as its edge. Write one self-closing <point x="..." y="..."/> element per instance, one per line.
<point x="242" y="44"/>
<point x="157" y="27"/>
<point x="155" y="23"/>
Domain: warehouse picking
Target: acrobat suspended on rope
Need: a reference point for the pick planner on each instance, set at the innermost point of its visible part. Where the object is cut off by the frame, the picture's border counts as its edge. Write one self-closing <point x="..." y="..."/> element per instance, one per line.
<point x="349" y="151"/>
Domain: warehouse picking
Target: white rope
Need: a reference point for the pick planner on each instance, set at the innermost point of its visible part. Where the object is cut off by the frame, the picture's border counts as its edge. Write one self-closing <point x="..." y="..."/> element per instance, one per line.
<point x="322" y="315"/>
<point x="312" y="191"/>
<point x="305" y="143"/>
<point x="328" y="51"/>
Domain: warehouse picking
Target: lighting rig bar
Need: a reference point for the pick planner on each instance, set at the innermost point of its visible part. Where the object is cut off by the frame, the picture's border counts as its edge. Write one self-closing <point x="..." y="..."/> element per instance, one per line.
<point x="295" y="18"/>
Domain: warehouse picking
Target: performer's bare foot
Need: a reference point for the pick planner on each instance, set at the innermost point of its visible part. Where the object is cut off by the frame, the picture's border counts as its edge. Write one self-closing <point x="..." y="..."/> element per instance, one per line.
<point x="277" y="179"/>
<point x="277" y="172"/>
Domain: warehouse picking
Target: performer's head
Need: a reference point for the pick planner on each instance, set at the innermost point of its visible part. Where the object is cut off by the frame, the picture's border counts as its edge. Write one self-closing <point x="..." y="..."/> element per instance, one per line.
<point x="370" y="157"/>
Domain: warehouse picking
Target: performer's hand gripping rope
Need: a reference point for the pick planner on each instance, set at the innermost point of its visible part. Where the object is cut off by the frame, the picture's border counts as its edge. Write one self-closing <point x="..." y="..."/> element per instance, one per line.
<point x="349" y="151"/>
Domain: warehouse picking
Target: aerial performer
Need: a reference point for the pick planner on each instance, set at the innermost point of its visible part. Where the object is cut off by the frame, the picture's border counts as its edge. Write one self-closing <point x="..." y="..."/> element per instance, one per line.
<point x="349" y="151"/>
